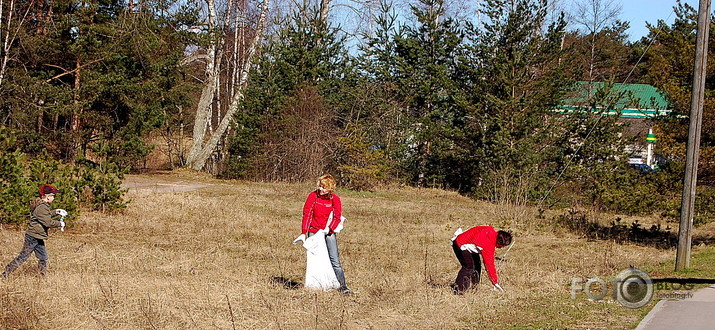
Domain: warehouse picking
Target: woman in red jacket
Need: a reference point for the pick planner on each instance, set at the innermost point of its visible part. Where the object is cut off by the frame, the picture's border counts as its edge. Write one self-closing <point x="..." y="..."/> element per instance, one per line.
<point x="467" y="246"/>
<point x="316" y="213"/>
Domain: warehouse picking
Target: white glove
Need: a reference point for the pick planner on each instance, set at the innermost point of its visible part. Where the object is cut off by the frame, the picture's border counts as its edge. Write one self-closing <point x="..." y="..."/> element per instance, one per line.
<point x="498" y="287"/>
<point x="61" y="212"/>
<point x="458" y="232"/>
<point x="471" y="248"/>
<point x="62" y="226"/>
<point x="340" y="225"/>
<point x="299" y="238"/>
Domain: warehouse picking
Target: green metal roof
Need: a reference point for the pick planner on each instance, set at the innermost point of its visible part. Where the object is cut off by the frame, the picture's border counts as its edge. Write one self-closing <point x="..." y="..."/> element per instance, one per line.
<point x="631" y="100"/>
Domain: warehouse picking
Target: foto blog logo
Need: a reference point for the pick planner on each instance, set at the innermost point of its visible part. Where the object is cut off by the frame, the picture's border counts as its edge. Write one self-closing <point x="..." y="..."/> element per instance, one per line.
<point x="632" y="288"/>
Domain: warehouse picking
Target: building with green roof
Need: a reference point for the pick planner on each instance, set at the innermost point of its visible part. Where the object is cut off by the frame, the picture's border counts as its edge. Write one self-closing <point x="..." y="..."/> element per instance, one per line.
<point x="627" y="100"/>
<point x="635" y="104"/>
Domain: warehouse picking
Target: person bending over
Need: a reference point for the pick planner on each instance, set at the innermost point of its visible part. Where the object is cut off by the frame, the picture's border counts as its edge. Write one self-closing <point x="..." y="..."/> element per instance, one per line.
<point x="468" y="246"/>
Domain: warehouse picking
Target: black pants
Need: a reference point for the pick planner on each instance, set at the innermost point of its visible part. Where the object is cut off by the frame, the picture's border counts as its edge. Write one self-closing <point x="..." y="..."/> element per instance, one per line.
<point x="471" y="269"/>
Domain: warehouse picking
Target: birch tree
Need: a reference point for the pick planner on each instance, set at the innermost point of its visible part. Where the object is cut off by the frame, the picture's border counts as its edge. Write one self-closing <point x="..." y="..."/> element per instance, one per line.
<point x="235" y="34"/>
<point x="11" y="20"/>
<point x="5" y="35"/>
<point x="595" y="16"/>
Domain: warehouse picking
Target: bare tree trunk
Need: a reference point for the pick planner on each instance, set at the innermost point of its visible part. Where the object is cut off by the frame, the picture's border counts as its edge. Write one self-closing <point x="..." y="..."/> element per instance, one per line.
<point x="239" y="34"/>
<point x="204" y="144"/>
<point x="324" y="10"/>
<point x="181" y="154"/>
<point x="202" y="113"/>
<point x="6" y="41"/>
<point x="7" y="37"/>
<point x="76" y="114"/>
<point x="592" y="62"/>
<point x="203" y="109"/>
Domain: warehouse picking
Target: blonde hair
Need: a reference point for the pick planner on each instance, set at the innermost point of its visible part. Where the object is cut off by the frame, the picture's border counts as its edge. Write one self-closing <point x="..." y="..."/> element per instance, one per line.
<point x="328" y="182"/>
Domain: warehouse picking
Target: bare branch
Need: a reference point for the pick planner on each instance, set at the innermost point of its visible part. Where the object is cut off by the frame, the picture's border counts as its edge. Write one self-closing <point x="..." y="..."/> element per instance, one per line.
<point x="193" y="58"/>
<point x="71" y="71"/>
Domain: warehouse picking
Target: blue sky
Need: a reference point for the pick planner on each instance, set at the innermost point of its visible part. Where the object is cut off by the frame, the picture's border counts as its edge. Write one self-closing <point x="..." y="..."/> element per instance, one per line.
<point x="638" y="12"/>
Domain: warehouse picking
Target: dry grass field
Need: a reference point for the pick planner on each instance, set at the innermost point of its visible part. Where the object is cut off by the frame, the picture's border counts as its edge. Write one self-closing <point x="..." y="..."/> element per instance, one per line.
<point x="220" y="257"/>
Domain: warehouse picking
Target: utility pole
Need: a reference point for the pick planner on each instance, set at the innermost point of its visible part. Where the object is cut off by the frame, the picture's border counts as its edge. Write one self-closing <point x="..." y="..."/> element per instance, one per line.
<point x="682" y="258"/>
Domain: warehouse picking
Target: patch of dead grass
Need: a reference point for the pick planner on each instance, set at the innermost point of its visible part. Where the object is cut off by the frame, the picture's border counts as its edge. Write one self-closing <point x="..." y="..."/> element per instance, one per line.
<point x="207" y="258"/>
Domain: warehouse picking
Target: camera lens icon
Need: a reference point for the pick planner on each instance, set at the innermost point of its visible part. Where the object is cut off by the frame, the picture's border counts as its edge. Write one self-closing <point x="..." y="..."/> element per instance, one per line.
<point x="633" y="288"/>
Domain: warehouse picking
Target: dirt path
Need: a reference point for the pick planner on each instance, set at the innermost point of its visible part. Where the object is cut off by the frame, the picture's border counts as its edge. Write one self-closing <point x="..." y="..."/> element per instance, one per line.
<point x="159" y="184"/>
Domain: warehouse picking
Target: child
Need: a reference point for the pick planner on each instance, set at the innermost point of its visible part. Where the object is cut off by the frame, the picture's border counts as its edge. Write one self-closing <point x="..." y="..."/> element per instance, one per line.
<point x="36" y="233"/>
<point x="467" y="246"/>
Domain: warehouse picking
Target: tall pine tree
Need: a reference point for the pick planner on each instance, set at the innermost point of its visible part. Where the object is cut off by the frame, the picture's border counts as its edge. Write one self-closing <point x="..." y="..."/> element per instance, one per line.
<point x="516" y="80"/>
<point x="424" y="71"/>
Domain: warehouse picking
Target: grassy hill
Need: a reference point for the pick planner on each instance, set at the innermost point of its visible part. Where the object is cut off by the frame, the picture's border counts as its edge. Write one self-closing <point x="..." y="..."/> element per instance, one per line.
<point x="220" y="257"/>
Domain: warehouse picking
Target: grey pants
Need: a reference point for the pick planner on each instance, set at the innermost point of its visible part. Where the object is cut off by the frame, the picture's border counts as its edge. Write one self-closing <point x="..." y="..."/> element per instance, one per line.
<point x="31" y="245"/>
<point x="332" y="243"/>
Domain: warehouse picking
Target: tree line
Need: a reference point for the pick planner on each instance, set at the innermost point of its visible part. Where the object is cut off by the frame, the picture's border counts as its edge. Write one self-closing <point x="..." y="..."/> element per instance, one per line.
<point x="417" y="93"/>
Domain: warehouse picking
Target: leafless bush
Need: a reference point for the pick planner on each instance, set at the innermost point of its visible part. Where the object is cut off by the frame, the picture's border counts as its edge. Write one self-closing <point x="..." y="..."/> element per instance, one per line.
<point x="303" y="145"/>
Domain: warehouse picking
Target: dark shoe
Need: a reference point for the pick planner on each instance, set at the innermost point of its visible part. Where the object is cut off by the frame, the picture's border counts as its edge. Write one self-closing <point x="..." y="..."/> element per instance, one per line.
<point x="455" y="290"/>
<point x="345" y="291"/>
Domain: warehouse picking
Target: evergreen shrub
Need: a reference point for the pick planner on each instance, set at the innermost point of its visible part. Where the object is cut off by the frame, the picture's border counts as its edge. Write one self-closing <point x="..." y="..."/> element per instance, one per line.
<point x="81" y="186"/>
<point x="361" y="166"/>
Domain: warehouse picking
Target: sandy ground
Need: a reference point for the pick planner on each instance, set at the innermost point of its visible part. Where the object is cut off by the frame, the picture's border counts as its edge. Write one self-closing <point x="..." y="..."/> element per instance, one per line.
<point x="140" y="183"/>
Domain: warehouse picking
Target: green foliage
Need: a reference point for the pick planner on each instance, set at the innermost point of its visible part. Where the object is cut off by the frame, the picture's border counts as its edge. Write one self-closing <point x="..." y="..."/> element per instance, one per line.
<point x="604" y="54"/>
<point x="589" y="149"/>
<point x="668" y="64"/>
<point x="15" y="191"/>
<point x="21" y="176"/>
<point x="378" y="106"/>
<point x="90" y="80"/>
<point x="101" y="188"/>
<point x="628" y="191"/>
<point x="429" y="100"/>
<point x="362" y="166"/>
<point x="515" y="137"/>
<point x="425" y="71"/>
<point x="415" y="109"/>
<point x="704" y="206"/>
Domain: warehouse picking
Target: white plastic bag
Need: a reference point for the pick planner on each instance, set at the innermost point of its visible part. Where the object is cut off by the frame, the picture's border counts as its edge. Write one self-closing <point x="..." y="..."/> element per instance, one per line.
<point x="340" y="225"/>
<point x="319" y="273"/>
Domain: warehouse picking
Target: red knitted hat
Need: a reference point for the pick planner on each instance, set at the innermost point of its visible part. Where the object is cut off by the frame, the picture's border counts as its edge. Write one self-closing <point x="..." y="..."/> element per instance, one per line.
<point x="48" y="189"/>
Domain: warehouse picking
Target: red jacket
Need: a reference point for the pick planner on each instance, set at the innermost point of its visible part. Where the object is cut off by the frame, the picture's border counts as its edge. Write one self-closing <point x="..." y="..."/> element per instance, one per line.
<point x="484" y="237"/>
<point x="317" y="209"/>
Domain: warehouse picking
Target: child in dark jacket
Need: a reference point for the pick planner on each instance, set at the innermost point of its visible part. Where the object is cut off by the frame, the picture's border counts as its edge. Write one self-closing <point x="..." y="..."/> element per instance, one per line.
<point x="36" y="233"/>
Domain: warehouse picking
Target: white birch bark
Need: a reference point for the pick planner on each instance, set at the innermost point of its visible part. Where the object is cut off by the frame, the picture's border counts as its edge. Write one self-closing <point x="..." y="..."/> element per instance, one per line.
<point x="204" y="142"/>
<point x="7" y="37"/>
<point x="5" y="41"/>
